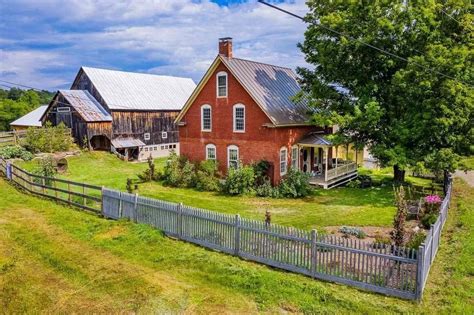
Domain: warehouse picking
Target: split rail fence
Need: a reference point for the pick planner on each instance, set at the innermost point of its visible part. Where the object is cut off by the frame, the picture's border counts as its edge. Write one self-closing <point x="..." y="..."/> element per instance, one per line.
<point x="386" y="269"/>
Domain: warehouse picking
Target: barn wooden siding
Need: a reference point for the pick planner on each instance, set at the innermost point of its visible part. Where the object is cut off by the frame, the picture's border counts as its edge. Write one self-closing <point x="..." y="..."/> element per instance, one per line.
<point x="137" y="123"/>
<point x="79" y="128"/>
<point x="82" y="82"/>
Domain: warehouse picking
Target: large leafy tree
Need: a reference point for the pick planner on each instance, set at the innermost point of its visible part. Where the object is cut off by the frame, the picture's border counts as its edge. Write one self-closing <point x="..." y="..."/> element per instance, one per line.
<point x="413" y="112"/>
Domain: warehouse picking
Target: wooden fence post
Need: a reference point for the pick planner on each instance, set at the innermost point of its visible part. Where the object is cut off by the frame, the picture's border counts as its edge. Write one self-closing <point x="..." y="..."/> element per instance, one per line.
<point x="135" y="209"/>
<point x="120" y="206"/>
<point x="179" y="220"/>
<point x="9" y="170"/>
<point x="420" y="266"/>
<point x="69" y="192"/>
<point x="43" y="183"/>
<point x="314" y="252"/>
<point x="237" y="235"/>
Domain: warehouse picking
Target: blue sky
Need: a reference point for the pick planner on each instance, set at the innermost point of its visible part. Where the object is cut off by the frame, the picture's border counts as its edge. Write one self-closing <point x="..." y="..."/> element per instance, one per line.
<point x="43" y="43"/>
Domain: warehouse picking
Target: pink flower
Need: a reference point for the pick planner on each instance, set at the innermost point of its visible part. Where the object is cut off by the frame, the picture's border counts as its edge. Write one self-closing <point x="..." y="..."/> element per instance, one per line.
<point x="433" y="199"/>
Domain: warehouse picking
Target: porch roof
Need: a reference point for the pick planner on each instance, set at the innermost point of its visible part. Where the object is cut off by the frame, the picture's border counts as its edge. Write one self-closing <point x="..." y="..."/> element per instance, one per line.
<point x="315" y="139"/>
<point x="121" y="143"/>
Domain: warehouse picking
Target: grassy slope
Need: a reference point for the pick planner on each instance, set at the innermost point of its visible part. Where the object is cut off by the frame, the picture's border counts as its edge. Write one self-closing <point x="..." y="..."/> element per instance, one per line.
<point x="55" y="259"/>
<point x="342" y="206"/>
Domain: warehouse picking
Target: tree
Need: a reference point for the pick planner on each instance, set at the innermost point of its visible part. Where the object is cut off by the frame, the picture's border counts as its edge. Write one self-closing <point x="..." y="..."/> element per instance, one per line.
<point x="405" y="113"/>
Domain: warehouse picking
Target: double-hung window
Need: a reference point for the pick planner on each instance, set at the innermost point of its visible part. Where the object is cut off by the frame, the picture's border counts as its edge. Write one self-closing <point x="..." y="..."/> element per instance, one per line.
<point x="283" y="160"/>
<point x="206" y="118"/>
<point x="232" y="156"/>
<point x="222" y="84"/>
<point x="239" y="118"/>
<point x="211" y="152"/>
<point x="294" y="157"/>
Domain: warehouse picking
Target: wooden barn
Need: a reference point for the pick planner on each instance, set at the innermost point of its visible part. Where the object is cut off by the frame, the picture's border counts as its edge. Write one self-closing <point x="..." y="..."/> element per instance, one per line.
<point x="131" y="114"/>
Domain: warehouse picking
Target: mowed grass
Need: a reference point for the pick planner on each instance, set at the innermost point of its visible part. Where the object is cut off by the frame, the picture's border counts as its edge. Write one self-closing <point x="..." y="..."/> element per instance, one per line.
<point x="55" y="259"/>
<point x="340" y="206"/>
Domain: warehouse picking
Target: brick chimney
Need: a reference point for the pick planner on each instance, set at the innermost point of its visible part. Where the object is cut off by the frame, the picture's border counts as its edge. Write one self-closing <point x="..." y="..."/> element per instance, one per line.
<point x="225" y="47"/>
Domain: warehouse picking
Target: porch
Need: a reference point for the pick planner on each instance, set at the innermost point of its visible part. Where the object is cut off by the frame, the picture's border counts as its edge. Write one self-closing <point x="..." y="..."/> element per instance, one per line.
<point x="319" y="158"/>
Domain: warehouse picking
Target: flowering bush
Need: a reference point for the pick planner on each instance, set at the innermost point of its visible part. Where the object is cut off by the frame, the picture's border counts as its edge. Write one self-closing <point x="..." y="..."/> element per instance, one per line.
<point x="432" y="203"/>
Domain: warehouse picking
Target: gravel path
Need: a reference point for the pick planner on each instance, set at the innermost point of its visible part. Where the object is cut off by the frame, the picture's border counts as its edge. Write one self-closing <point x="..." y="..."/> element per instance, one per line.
<point x="468" y="177"/>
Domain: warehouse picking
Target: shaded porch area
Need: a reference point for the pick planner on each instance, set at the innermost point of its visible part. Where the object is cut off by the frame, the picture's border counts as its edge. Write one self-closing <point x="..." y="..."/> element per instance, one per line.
<point x="319" y="158"/>
<point x="127" y="148"/>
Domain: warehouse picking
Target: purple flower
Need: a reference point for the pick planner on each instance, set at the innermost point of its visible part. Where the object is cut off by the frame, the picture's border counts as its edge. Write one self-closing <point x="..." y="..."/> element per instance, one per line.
<point x="433" y="199"/>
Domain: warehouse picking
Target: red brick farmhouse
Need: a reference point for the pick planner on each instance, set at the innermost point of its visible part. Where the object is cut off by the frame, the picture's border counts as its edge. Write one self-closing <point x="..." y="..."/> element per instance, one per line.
<point x="242" y="112"/>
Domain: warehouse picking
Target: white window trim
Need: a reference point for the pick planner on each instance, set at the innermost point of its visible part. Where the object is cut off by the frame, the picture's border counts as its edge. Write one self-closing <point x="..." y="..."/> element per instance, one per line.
<point x="63" y="109"/>
<point x="232" y="147"/>
<point x="281" y="161"/>
<point x="205" y="106"/>
<point x="233" y="117"/>
<point x="146" y="136"/>
<point x="297" y="157"/>
<point x="211" y="146"/>
<point x="164" y="135"/>
<point x="222" y="73"/>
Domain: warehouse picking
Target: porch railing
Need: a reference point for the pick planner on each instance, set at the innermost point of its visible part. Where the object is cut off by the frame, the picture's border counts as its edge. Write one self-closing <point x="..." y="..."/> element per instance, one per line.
<point x="341" y="170"/>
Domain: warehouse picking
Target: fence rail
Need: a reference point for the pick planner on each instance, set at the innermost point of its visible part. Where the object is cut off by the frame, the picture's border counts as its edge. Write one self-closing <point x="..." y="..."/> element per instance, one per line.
<point x="85" y="196"/>
<point x="386" y="269"/>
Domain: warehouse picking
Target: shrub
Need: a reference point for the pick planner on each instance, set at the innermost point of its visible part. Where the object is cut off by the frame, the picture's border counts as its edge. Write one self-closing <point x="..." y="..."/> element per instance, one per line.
<point x="428" y="219"/>
<point x="416" y="240"/>
<point x="365" y="181"/>
<point x="46" y="167"/>
<point x="48" y="139"/>
<point x="267" y="190"/>
<point x="261" y="171"/>
<point x="295" y="184"/>
<point x="206" y="176"/>
<point x="13" y="152"/>
<point x="149" y="174"/>
<point x="432" y="203"/>
<point x="239" y="181"/>
<point x="348" y="230"/>
<point x="381" y="241"/>
<point x="354" y="184"/>
<point x="398" y="233"/>
<point x="188" y="175"/>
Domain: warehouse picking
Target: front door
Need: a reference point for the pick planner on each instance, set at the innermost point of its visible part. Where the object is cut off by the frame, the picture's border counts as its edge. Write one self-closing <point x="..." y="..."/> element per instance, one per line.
<point x="306" y="160"/>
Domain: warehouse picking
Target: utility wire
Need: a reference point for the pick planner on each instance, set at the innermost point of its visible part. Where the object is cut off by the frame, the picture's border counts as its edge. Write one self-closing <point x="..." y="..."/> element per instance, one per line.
<point x="317" y="23"/>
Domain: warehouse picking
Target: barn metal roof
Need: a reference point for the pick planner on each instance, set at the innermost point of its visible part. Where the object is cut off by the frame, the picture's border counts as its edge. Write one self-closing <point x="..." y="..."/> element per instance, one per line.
<point x="32" y="119"/>
<point x="273" y="88"/>
<point x="315" y="139"/>
<point x="139" y="91"/>
<point x="86" y="105"/>
<point x="120" y="143"/>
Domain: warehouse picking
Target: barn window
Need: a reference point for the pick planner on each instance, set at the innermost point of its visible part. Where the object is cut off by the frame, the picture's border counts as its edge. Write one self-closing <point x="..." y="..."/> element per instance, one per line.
<point x="232" y="156"/>
<point x="206" y="118"/>
<point x="294" y="157"/>
<point x="63" y="109"/>
<point x="146" y="136"/>
<point x="283" y="160"/>
<point x="239" y="118"/>
<point x="164" y="135"/>
<point x="222" y="84"/>
<point x="210" y="152"/>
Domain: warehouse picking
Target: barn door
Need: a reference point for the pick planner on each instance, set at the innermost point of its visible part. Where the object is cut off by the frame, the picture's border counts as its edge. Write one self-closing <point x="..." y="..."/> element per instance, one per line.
<point x="63" y="115"/>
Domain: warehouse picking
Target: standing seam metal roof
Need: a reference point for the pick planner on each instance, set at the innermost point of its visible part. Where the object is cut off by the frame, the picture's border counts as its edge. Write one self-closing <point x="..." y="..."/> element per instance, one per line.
<point x="315" y="139"/>
<point x="32" y="119"/>
<point x="86" y="105"/>
<point x="140" y="91"/>
<point x="273" y="88"/>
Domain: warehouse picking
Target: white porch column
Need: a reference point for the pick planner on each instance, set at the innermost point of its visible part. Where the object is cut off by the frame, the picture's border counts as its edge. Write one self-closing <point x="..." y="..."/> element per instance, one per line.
<point x="326" y="151"/>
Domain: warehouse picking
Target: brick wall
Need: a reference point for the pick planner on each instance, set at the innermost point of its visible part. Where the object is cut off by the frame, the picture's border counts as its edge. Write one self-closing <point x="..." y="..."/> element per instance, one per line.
<point x="257" y="143"/>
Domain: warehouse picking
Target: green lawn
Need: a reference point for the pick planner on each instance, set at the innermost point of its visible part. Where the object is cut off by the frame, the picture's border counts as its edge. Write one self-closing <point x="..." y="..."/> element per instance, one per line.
<point x="340" y="206"/>
<point x="335" y="207"/>
<point x="55" y="259"/>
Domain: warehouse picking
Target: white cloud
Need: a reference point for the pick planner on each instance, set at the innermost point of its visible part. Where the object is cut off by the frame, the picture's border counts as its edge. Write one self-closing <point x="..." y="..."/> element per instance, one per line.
<point x="158" y="36"/>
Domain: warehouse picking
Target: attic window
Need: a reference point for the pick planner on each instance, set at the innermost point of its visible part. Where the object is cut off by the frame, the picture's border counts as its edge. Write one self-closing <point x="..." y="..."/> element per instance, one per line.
<point x="63" y="109"/>
<point x="146" y="136"/>
<point x="222" y="84"/>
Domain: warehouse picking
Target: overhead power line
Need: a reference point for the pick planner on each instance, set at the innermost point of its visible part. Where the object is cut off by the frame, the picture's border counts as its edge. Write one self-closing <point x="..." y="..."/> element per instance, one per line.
<point x="317" y="23"/>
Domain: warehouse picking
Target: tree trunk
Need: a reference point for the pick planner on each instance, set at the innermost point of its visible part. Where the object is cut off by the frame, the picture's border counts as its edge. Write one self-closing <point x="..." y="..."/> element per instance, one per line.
<point x="398" y="174"/>
<point x="445" y="181"/>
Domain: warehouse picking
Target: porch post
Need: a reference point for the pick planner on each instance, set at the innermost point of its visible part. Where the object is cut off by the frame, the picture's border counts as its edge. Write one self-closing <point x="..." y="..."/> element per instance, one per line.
<point x="336" y="155"/>
<point x="326" y="151"/>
